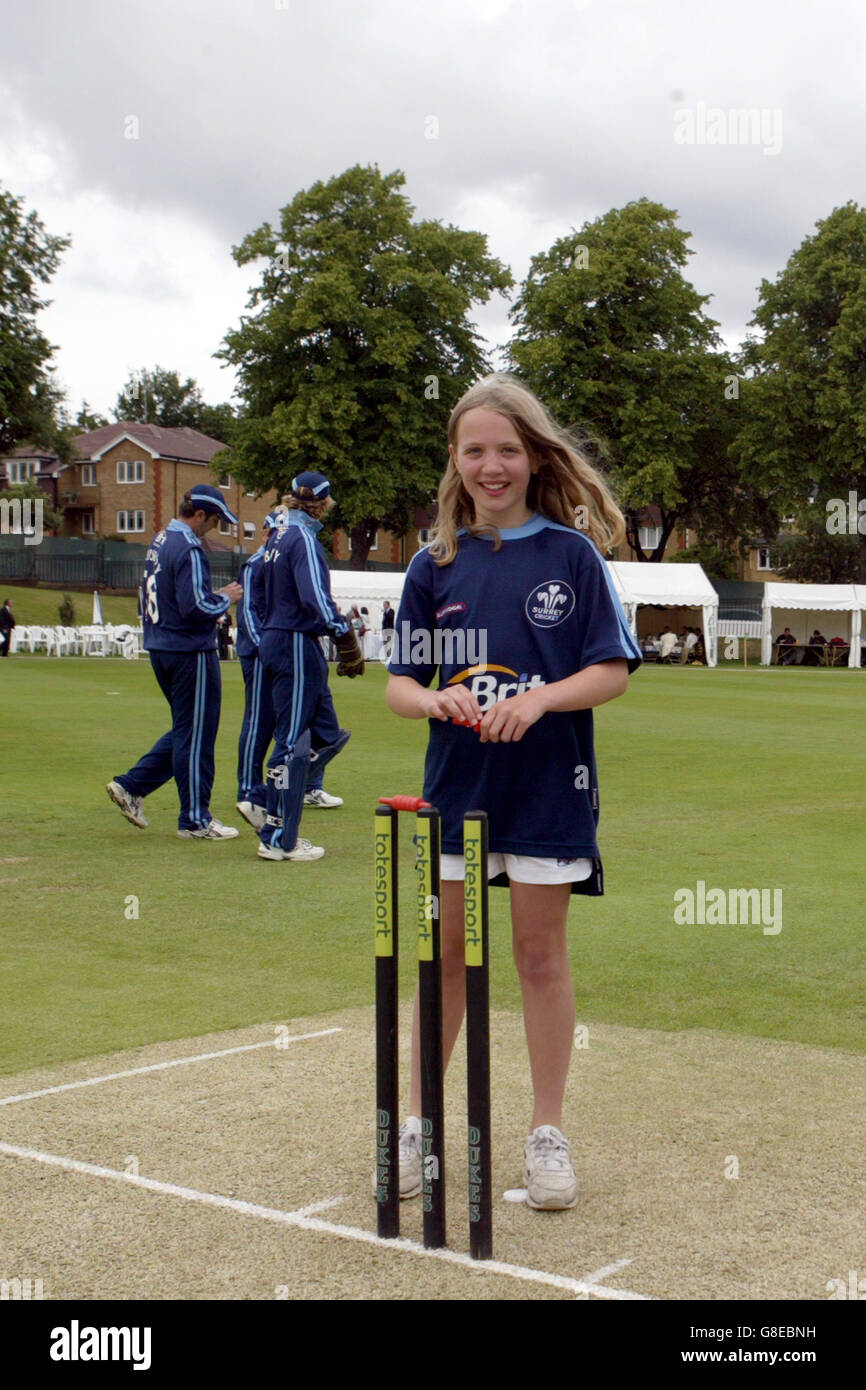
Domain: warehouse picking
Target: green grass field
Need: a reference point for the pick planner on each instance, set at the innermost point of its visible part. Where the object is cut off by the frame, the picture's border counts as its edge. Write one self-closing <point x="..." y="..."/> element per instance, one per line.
<point x="742" y="779"/>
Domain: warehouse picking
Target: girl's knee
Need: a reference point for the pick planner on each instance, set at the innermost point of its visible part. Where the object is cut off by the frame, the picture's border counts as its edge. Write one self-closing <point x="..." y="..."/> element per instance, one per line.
<point x="540" y="962"/>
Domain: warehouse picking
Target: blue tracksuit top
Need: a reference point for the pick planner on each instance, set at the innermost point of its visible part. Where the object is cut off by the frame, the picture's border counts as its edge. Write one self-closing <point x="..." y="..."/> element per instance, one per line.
<point x="297" y="581"/>
<point x="251" y="609"/>
<point x="178" y="609"/>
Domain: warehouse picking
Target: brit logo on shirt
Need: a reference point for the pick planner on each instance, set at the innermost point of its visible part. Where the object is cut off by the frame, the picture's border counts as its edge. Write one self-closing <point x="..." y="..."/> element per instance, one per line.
<point x="550" y="603"/>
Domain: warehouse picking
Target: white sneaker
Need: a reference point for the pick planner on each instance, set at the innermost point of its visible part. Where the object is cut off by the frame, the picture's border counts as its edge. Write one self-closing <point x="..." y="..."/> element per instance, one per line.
<point x="303" y="851"/>
<point x="549" y="1176"/>
<point x="129" y="805"/>
<point x="214" y="830"/>
<point x="253" y="815"/>
<point x="319" y="797"/>
<point x="410" y="1159"/>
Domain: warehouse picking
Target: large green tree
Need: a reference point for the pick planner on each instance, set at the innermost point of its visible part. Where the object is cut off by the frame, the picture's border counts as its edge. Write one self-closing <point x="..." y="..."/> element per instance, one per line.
<point x="803" y="434"/>
<point x="611" y="335"/>
<point x="29" y="398"/>
<point x="358" y="347"/>
<point x="160" y="397"/>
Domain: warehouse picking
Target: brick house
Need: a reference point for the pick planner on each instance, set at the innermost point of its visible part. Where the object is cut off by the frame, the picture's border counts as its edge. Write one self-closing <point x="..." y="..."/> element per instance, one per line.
<point x="30" y="464"/>
<point x="130" y="478"/>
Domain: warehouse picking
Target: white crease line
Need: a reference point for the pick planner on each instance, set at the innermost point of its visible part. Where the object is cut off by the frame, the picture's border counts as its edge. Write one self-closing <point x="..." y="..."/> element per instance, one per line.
<point x="602" y="1273"/>
<point x="312" y="1223"/>
<point x="279" y="1042"/>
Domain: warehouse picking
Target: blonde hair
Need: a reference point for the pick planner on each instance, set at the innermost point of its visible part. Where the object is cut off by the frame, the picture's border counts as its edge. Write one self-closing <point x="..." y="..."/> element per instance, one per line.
<point x="565" y="488"/>
<point x="316" y="507"/>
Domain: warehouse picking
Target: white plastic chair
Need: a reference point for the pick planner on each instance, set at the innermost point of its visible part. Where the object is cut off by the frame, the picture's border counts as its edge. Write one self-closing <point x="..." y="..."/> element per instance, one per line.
<point x="94" y="639"/>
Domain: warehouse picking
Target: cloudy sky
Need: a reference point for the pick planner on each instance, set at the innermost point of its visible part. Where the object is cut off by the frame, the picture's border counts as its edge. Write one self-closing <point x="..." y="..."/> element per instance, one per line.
<point x="549" y="113"/>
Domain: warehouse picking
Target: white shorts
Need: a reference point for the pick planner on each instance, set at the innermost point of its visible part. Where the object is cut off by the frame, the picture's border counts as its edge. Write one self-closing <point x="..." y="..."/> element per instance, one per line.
<point x="520" y="868"/>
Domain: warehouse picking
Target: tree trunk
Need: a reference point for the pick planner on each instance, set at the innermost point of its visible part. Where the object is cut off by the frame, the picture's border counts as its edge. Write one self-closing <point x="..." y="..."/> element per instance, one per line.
<point x="862" y="579"/>
<point x="361" y="537"/>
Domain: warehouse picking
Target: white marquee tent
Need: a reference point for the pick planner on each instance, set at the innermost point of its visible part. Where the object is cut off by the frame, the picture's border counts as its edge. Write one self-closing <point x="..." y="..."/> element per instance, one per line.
<point x="790" y="605"/>
<point x="368" y="589"/>
<point x="668" y="586"/>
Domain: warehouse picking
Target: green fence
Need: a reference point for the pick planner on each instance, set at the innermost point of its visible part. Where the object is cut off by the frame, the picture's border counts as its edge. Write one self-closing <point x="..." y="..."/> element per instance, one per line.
<point x="91" y="564"/>
<point x="94" y="564"/>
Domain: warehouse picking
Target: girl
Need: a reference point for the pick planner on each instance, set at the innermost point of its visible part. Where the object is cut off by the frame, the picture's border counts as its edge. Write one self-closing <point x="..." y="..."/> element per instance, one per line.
<point x="528" y="595"/>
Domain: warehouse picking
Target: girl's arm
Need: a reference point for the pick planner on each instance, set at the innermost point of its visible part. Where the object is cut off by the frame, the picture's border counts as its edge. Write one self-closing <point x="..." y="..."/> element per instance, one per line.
<point x="509" y="719"/>
<point x="408" y="697"/>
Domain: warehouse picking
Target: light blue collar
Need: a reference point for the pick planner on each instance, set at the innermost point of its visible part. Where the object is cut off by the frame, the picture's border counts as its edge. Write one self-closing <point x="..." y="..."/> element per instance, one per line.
<point x="299" y="518"/>
<point x="516" y="533"/>
<point x="177" y="525"/>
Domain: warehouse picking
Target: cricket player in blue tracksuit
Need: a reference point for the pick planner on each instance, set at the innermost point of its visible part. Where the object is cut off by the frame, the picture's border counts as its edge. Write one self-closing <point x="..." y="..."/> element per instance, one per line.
<point x="258" y="724"/>
<point x="257" y="729"/>
<point x="179" y="613"/>
<point x="298" y="610"/>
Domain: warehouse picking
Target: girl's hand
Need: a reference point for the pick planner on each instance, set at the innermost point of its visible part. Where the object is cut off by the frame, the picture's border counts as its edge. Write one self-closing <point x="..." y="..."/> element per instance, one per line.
<point x="452" y="703"/>
<point x="509" y="719"/>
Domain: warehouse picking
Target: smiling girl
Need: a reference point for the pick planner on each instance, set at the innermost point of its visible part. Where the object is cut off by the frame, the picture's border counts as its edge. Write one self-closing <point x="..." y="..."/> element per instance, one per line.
<point x="507" y="562"/>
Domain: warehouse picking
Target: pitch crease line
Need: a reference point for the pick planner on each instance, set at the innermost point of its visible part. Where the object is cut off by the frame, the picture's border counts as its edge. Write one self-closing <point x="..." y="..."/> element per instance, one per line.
<point x="312" y="1223"/>
<point x="278" y="1042"/>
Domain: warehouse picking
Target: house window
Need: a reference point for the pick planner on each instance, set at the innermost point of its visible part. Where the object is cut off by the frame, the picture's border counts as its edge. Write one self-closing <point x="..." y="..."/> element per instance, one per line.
<point x="87" y="526"/>
<point x="225" y="480"/>
<point x="88" y="475"/>
<point x="764" y="558"/>
<point x="19" y="470"/>
<point x="424" y="536"/>
<point x="227" y="529"/>
<point x="649" y="537"/>
<point x="130" y="521"/>
<point x="130" y="471"/>
<point x="249" y="530"/>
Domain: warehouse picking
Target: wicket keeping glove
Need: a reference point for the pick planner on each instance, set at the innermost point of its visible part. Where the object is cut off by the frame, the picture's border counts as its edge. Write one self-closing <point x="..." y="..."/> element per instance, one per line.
<point x="351" y="661"/>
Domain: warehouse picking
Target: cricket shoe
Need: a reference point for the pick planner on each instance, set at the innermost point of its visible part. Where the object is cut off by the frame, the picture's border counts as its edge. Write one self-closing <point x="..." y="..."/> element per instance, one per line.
<point x="214" y="830"/>
<point x="129" y="805"/>
<point x="549" y="1177"/>
<point x="253" y="815"/>
<point x="319" y="797"/>
<point x="410" y="1159"/>
<point x="303" y="851"/>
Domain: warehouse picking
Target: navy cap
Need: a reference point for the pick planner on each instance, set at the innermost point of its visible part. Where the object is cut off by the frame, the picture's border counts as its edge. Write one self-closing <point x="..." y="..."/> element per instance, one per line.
<point x="317" y="483"/>
<point x="276" y="518"/>
<point x="211" y="501"/>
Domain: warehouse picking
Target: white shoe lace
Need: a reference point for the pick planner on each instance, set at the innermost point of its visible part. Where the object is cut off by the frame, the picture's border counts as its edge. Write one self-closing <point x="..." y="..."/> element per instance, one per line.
<point x="550" y="1151"/>
<point x="409" y="1142"/>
